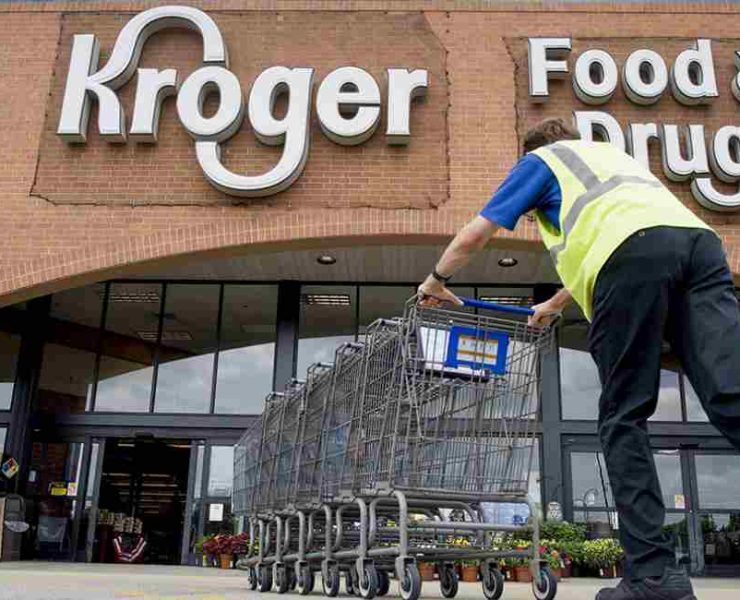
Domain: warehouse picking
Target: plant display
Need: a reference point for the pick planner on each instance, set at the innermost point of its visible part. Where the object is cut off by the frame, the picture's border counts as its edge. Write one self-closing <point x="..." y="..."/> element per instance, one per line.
<point x="225" y="544"/>
<point x="603" y="554"/>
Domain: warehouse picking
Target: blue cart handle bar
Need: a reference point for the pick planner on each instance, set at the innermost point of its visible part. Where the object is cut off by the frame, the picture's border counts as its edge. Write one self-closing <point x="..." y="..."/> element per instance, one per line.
<point x="506" y="308"/>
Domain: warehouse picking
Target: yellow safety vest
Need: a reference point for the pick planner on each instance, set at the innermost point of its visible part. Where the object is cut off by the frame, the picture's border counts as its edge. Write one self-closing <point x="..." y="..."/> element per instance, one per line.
<point x="606" y="197"/>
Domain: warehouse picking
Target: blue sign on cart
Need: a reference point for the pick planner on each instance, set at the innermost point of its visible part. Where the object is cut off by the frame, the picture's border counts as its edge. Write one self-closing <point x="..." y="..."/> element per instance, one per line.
<point x="479" y="349"/>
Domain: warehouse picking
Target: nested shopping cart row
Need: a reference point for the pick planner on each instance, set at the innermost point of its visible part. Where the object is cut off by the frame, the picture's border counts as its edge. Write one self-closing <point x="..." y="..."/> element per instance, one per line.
<point x="359" y="468"/>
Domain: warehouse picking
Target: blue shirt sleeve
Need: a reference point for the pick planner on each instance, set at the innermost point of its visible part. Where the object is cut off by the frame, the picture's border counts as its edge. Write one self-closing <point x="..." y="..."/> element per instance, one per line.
<point x="529" y="185"/>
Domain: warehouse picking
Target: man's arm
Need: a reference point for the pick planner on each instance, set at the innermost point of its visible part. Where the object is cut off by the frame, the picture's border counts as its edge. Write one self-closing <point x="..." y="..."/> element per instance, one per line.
<point x="467" y="243"/>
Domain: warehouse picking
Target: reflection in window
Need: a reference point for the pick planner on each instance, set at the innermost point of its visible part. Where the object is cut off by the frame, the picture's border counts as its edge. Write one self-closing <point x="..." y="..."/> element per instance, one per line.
<point x="68" y="367"/>
<point x="694" y="409"/>
<point x="247" y="352"/>
<point x="327" y="320"/>
<point x="718" y="478"/>
<point x="382" y="302"/>
<point x="579" y="385"/>
<point x="517" y="514"/>
<point x="9" y="345"/>
<point x="189" y="322"/>
<point x="3" y="434"/>
<point x="52" y="463"/>
<point x="221" y="471"/>
<point x="668" y="465"/>
<point x="590" y="480"/>
<point x="669" y="398"/>
<point x="128" y="349"/>
<point x="721" y="534"/>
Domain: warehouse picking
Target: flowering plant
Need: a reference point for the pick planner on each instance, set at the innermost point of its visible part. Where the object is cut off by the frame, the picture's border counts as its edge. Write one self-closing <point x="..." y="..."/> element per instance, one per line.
<point x="226" y="544"/>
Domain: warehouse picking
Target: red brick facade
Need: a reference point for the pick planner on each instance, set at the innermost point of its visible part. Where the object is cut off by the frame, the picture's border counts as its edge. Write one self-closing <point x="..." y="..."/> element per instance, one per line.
<point x="77" y="214"/>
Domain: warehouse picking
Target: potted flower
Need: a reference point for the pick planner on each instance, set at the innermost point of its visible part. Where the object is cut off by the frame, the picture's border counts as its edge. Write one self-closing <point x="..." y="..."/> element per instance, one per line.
<point x="572" y="554"/>
<point x="210" y="550"/>
<point x="470" y="570"/>
<point x="426" y="570"/>
<point x="603" y="555"/>
<point x="552" y="557"/>
<point x="522" y="572"/>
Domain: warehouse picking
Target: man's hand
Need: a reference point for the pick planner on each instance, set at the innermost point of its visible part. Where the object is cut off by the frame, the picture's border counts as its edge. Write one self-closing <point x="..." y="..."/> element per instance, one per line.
<point x="545" y="313"/>
<point x="433" y="293"/>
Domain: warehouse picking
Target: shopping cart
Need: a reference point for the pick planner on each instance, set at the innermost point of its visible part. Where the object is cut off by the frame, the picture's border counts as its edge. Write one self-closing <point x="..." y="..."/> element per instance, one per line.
<point x="433" y="417"/>
<point x="447" y="419"/>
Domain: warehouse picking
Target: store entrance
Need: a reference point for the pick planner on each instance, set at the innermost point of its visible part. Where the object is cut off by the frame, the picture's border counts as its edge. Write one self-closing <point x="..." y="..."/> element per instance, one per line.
<point x="142" y="501"/>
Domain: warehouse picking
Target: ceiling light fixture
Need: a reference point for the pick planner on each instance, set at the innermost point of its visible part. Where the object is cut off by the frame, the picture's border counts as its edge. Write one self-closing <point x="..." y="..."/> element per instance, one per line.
<point x="326" y="259"/>
<point x="134" y="296"/>
<point x="325" y="299"/>
<point x="508" y="300"/>
<point x="507" y="262"/>
<point x="167" y="336"/>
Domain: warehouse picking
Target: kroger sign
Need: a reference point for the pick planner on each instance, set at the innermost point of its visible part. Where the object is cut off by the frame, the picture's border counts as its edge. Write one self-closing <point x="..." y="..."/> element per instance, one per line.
<point x="347" y="101"/>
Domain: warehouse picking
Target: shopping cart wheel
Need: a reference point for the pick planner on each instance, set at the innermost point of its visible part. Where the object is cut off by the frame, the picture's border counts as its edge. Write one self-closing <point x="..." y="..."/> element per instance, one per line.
<point x="282" y="579"/>
<point x="349" y="584"/>
<point x="368" y="582"/>
<point x="252" y="579"/>
<point x="265" y="579"/>
<point x="384" y="583"/>
<point x="292" y="579"/>
<point x="306" y="581"/>
<point x="493" y="582"/>
<point x="547" y="587"/>
<point x="331" y="584"/>
<point x="411" y="583"/>
<point x="448" y="581"/>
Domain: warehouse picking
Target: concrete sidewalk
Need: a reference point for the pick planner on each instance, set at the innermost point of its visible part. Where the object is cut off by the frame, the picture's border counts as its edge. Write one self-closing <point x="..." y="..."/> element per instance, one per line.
<point x="67" y="581"/>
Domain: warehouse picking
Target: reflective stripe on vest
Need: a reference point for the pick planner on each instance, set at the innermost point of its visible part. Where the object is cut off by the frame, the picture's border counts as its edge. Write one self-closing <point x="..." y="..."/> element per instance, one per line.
<point x="594" y="189"/>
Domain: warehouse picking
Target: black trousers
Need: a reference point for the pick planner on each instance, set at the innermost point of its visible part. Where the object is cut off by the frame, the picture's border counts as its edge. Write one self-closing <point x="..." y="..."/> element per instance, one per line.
<point x="662" y="283"/>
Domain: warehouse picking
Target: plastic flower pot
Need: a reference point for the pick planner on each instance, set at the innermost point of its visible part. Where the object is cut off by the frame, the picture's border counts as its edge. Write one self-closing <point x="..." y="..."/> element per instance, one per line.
<point x="523" y="574"/>
<point x="225" y="560"/>
<point x="470" y="573"/>
<point x="426" y="570"/>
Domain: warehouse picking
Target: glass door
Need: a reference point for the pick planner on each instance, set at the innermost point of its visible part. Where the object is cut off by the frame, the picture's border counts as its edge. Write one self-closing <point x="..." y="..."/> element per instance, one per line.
<point x="716" y="483"/>
<point x="89" y="519"/>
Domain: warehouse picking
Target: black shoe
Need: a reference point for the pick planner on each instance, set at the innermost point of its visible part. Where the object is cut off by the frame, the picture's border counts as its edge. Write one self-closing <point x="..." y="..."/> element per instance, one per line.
<point x="674" y="585"/>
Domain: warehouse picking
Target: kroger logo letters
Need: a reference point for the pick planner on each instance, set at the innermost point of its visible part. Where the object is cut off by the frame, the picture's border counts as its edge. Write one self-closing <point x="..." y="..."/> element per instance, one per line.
<point x="347" y="101"/>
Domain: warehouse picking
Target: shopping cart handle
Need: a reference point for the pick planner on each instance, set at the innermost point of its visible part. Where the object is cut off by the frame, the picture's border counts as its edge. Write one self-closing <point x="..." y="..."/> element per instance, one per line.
<point x="515" y="310"/>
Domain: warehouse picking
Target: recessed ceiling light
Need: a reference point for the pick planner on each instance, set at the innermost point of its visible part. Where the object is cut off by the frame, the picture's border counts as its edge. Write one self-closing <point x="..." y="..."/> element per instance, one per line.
<point x="326" y="259"/>
<point x="508" y="261"/>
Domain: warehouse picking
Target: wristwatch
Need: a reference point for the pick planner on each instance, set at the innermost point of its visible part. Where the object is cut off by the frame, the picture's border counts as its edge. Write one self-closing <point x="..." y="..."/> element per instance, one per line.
<point x="440" y="278"/>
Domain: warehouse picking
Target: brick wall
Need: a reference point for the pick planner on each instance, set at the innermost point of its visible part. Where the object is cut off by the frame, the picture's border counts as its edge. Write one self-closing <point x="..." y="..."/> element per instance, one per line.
<point x="73" y="215"/>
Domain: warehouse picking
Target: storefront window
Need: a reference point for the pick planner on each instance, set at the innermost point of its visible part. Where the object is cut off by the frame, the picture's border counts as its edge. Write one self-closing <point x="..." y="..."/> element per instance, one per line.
<point x="669" y="398"/>
<point x="721" y="536"/>
<point x="55" y="469"/>
<point x="382" y="302"/>
<point x="128" y="348"/>
<point x="668" y="465"/>
<point x="247" y="350"/>
<point x="579" y="385"/>
<point x="718" y="478"/>
<point x="516" y="514"/>
<point x="72" y="337"/>
<point x="590" y="480"/>
<point x="3" y="435"/>
<point x="694" y="410"/>
<point x="188" y="341"/>
<point x="9" y="345"/>
<point x="221" y="471"/>
<point x="328" y="319"/>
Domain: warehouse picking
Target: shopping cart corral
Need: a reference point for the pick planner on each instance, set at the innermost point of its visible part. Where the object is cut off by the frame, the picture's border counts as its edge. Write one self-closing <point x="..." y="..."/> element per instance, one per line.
<point x="387" y="457"/>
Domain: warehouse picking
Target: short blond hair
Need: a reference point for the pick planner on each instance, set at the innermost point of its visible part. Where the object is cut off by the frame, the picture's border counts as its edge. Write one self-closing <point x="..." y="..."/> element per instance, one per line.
<point x="547" y="132"/>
